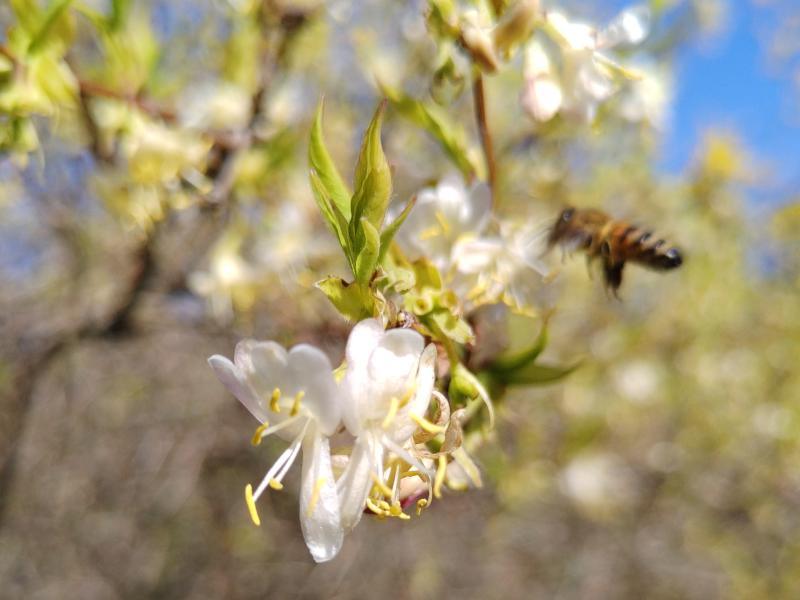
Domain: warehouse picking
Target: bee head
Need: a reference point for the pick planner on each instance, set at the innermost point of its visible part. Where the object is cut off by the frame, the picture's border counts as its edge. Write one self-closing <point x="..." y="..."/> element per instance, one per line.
<point x="561" y="226"/>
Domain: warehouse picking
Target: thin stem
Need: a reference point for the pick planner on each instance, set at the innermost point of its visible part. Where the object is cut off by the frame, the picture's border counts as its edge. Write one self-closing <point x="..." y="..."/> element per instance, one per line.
<point x="479" y="100"/>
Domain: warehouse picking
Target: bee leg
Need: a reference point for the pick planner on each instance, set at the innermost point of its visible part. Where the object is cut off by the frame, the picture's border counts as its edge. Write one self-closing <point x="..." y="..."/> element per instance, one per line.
<point x="612" y="273"/>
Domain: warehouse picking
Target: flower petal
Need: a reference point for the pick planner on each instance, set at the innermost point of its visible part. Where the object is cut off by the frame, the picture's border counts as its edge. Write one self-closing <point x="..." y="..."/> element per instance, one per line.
<point x="237" y="384"/>
<point x="310" y="371"/>
<point x="320" y="518"/>
<point x="426" y="376"/>
<point x="354" y="484"/>
<point x="263" y="363"/>
<point x="364" y="338"/>
<point x="631" y="26"/>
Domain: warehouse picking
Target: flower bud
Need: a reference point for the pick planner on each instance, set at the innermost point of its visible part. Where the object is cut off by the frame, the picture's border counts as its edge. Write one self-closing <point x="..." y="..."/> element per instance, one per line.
<point x="516" y="25"/>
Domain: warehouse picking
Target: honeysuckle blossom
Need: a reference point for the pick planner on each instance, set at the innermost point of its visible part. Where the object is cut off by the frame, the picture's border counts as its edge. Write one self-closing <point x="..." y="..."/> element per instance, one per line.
<point x="293" y="395"/>
<point x="388" y="386"/>
<point x="448" y="226"/>
<point x="579" y="76"/>
<point x="506" y="267"/>
<point x="442" y="215"/>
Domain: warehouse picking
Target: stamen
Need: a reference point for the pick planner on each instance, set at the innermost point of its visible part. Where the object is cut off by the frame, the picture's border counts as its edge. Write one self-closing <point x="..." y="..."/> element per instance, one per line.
<point x="441" y="469"/>
<point x="384" y="506"/>
<point x="251" y="504"/>
<point x="395" y="510"/>
<point x="283" y="424"/>
<point x="259" y="434"/>
<point x="393" y="408"/>
<point x="422" y="503"/>
<point x="425" y="424"/>
<point x="382" y="487"/>
<point x="312" y="503"/>
<point x="275" y="484"/>
<point x="374" y="507"/>
<point x="273" y="401"/>
<point x="295" y="448"/>
<point x="296" y="405"/>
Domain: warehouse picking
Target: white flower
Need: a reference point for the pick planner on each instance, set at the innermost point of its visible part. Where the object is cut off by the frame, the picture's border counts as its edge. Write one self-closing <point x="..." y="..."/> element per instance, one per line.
<point x="296" y="391"/>
<point x="388" y="384"/>
<point x="506" y="267"/>
<point x="441" y="216"/>
<point x="585" y="75"/>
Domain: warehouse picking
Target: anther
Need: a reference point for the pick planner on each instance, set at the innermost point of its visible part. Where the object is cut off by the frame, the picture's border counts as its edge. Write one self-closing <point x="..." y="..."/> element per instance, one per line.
<point x="251" y="504"/>
<point x="393" y="407"/>
<point x="258" y="434"/>
<point x="298" y="397"/>
<point x="273" y="401"/>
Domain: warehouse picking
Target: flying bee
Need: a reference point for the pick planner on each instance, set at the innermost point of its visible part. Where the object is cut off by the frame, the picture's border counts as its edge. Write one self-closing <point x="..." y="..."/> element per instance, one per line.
<point x="613" y="242"/>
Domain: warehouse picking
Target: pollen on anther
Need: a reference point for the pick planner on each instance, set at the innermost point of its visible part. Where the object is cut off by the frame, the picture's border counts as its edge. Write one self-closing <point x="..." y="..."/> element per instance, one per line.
<point x="421" y="504"/>
<point x="251" y="504"/>
<point x="273" y="401"/>
<point x="258" y="434"/>
<point x="275" y="484"/>
<point x="298" y="397"/>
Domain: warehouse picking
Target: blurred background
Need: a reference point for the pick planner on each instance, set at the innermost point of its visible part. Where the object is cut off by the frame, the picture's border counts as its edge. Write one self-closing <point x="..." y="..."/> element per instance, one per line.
<point x="155" y="209"/>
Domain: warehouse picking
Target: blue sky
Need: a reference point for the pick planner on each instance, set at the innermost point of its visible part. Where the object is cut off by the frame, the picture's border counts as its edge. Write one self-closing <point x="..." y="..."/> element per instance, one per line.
<point x="730" y="83"/>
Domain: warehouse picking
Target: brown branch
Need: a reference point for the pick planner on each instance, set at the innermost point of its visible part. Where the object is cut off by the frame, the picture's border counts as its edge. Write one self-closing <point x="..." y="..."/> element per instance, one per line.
<point x="90" y="88"/>
<point x="479" y="101"/>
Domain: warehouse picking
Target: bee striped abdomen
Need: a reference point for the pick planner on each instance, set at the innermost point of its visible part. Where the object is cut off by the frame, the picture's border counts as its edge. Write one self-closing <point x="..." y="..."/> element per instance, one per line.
<point x="614" y="242"/>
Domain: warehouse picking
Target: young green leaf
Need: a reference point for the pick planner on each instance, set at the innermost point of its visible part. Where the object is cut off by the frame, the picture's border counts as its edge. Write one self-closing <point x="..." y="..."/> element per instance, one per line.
<point x="433" y="119"/>
<point x="373" y="177"/>
<point x="387" y="235"/>
<point x="354" y="301"/>
<point x="367" y="258"/>
<point x="320" y="160"/>
<point x="51" y="21"/>
<point x="330" y="212"/>
<point x="454" y="327"/>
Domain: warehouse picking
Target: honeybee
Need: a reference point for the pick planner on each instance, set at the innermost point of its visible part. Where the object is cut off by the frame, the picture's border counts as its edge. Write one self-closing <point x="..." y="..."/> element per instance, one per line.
<point x="614" y="242"/>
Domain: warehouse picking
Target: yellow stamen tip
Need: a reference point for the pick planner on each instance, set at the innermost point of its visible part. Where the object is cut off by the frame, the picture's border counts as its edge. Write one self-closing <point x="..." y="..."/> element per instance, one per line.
<point x="275" y="484"/>
<point x="251" y="504"/>
<point x="273" y="400"/>
<point x="425" y="424"/>
<point x="258" y="434"/>
<point x="422" y="503"/>
<point x="298" y="397"/>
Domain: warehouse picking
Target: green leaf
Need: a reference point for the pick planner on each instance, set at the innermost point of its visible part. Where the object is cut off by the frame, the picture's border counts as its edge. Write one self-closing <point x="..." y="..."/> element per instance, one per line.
<point x="436" y="121"/>
<point x="354" y="301"/>
<point x="373" y="177"/>
<point x="330" y="213"/>
<point x="119" y="11"/>
<point x="456" y="328"/>
<point x="387" y="235"/>
<point x="514" y="360"/>
<point x="427" y="275"/>
<point x="534" y="374"/>
<point x="367" y="258"/>
<point x="320" y="160"/>
<point x="51" y="19"/>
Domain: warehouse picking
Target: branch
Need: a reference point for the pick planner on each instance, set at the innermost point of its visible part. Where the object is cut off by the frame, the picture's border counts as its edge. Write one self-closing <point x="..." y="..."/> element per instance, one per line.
<point x="479" y="101"/>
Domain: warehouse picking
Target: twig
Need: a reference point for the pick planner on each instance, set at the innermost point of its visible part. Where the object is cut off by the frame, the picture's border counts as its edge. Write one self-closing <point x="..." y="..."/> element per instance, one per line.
<point x="90" y="88"/>
<point x="479" y="100"/>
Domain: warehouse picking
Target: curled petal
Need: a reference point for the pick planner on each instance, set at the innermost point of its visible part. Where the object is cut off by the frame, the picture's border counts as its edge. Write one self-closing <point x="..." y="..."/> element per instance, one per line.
<point x="541" y="97"/>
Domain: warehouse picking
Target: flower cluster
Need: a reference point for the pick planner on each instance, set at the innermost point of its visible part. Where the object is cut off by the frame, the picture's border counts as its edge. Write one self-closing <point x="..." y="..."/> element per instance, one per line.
<point x="377" y="411"/>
